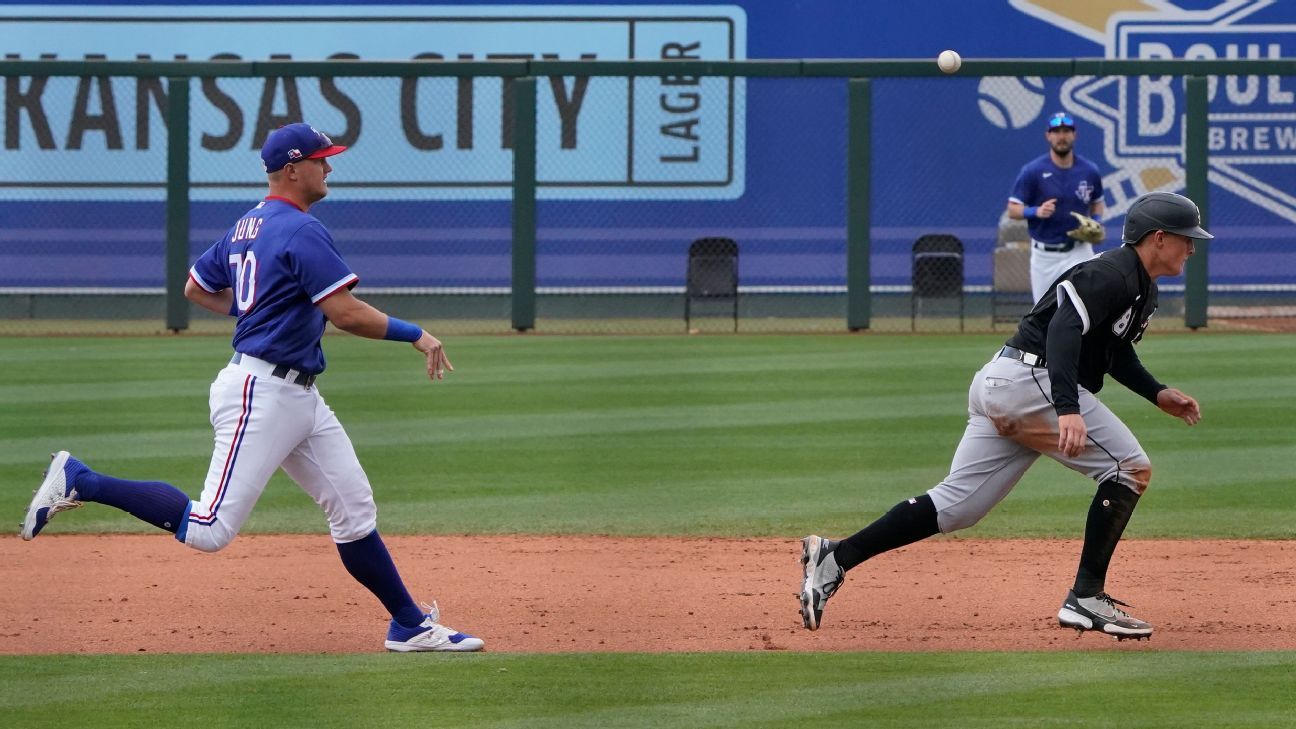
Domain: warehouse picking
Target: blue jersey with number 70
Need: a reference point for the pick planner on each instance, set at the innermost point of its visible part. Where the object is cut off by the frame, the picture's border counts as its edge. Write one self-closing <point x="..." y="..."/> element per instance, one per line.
<point x="280" y="262"/>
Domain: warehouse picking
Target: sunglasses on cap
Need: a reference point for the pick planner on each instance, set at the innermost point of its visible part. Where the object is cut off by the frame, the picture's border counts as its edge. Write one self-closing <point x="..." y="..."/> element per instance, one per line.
<point x="1061" y="120"/>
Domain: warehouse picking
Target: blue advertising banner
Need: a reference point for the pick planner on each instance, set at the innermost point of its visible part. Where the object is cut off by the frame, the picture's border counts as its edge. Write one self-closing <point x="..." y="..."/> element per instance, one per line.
<point x="631" y="171"/>
<point x="437" y="138"/>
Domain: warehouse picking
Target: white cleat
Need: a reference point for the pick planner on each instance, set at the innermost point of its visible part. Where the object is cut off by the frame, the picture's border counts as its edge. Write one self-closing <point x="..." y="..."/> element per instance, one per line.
<point x="430" y="636"/>
<point x="53" y="496"/>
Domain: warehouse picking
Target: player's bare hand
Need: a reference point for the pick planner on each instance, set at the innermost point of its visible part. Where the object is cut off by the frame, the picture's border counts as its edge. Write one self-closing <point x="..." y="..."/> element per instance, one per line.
<point x="1046" y="208"/>
<point x="437" y="361"/>
<point x="1175" y="402"/>
<point x="1072" y="434"/>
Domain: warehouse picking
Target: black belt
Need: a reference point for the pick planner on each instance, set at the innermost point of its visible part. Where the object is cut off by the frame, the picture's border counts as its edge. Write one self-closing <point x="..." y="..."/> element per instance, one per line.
<point x="303" y="379"/>
<point x="1053" y="247"/>
<point x="1034" y="360"/>
<point x="281" y="371"/>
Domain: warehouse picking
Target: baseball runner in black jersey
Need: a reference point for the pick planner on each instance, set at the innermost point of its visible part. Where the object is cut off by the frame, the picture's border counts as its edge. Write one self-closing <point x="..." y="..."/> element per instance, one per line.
<point x="1036" y="396"/>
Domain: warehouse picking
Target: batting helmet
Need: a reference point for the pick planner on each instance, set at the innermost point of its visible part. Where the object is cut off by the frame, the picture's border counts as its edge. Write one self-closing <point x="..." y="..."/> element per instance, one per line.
<point x="1163" y="211"/>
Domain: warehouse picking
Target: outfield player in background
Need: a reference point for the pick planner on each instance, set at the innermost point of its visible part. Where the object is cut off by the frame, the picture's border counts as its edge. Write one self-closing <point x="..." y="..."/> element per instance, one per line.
<point x="278" y="271"/>
<point x="1049" y="192"/>
<point x="1036" y="396"/>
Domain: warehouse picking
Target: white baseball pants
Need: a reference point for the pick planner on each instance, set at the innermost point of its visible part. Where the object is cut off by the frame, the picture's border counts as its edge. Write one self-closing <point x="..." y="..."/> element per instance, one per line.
<point x="1046" y="266"/>
<point x="263" y="423"/>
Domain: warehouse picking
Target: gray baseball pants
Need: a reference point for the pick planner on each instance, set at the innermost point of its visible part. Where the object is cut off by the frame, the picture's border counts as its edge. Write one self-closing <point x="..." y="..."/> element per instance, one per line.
<point x="1011" y="423"/>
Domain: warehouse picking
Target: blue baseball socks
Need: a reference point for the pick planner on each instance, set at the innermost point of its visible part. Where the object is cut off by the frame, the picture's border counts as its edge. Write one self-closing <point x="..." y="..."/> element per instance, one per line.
<point x="160" y="504"/>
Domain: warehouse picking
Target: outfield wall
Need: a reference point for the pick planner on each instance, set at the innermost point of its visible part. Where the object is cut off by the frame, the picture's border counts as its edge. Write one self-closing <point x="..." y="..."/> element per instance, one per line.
<point x="629" y="170"/>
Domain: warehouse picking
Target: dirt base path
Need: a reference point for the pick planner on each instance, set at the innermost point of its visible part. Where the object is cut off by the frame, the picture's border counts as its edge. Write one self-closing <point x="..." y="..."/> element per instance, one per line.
<point x="290" y="594"/>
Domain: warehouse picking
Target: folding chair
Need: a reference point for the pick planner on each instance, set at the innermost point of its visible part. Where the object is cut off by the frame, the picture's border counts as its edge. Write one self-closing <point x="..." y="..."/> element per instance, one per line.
<point x="712" y="275"/>
<point x="937" y="273"/>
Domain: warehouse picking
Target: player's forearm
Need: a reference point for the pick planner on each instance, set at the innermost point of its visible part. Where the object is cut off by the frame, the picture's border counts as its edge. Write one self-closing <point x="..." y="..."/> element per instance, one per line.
<point x="361" y="319"/>
<point x="1015" y="211"/>
<point x="1130" y="372"/>
<point x="221" y="302"/>
<point x="354" y="316"/>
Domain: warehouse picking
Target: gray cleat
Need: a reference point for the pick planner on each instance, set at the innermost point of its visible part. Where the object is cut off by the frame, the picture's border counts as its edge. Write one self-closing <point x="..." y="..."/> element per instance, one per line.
<point x="822" y="577"/>
<point x="1101" y="613"/>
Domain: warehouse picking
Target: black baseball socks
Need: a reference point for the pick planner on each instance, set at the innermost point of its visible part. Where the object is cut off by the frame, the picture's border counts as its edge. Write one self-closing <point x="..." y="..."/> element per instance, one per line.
<point x="907" y="522"/>
<point x="1108" y="514"/>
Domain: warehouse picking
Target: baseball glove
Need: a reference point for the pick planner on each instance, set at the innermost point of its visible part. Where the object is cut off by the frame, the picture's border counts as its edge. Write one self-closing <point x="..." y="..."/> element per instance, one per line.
<point x="1090" y="230"/>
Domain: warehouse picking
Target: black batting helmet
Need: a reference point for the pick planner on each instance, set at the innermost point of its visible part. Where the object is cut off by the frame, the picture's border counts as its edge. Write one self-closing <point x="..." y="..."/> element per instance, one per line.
<point x="1163" y="211"/>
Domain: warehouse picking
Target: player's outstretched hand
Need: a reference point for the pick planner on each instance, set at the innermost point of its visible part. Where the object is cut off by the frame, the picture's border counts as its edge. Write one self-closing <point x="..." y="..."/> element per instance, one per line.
<point x="1046" y="208"/>
<point x="1175" y="402"/>
<point x="1072" y="434"/>
<point x="437" y="361"/>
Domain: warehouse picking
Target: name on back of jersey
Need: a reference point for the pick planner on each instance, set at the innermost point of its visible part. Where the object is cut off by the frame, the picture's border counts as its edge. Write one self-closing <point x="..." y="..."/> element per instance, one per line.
<point x="246" y="229"/>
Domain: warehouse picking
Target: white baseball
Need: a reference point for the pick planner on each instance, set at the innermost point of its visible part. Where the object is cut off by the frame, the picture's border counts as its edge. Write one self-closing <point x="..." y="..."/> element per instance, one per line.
<point x="949" y="61"/>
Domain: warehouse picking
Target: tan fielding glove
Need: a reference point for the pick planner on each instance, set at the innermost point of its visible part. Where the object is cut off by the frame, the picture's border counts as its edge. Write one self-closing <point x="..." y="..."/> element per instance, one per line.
<point x="1090" y="230"/>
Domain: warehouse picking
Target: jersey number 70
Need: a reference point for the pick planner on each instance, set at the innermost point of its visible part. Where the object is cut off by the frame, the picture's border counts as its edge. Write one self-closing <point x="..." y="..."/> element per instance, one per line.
<point x="245" y="271"/>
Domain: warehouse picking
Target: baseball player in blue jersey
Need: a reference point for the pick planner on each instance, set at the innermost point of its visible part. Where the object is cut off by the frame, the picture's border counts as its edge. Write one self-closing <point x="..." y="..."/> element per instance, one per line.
<point x="278" y="271"/>
<point x="1060" y="195"/>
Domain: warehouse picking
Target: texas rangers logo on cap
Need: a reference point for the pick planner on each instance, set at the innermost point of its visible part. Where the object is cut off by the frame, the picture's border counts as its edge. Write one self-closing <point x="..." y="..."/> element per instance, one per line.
<point x="295" y="142"/>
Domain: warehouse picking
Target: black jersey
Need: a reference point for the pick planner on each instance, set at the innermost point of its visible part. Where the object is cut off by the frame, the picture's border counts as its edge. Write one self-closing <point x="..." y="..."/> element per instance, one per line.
<point x="1088" y="330"/>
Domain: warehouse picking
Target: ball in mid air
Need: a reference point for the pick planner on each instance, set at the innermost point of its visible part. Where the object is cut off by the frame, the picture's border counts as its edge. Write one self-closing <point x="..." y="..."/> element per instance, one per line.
<point x="949" y="61"/>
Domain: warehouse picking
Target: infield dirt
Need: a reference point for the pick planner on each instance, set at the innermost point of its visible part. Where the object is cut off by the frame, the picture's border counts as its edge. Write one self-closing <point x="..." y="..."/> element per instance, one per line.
<point x="290" y="594"/>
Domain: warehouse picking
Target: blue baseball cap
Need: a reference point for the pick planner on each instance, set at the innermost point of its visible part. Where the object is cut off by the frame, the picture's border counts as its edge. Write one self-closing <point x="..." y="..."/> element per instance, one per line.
<point x="294" y="143"/>
<point x="1061" y="119"/>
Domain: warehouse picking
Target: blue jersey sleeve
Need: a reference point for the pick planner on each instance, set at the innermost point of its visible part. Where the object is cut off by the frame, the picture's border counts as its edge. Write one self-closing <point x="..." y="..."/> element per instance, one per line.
<point x="212" y="271"/>
<point x="1023" y="190"/>
<point x="316" y="263"/>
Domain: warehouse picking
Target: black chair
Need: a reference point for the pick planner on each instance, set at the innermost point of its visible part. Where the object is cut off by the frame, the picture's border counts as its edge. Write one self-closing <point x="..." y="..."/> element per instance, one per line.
<point x="712" y="275"/>
<point x="937" y="273"/>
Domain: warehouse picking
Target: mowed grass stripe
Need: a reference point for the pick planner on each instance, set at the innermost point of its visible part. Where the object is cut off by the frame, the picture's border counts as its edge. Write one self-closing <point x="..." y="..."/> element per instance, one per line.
<point x="1151" y="689"/>
<point x="677" y="435"/>
<point x="432" y="430"/>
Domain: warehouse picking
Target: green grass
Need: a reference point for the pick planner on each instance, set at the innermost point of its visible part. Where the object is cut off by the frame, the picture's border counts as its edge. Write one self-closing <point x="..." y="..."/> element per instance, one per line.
<point x="750" y="690"/>
<point x="657" y="435"/>
<point x="704" y="435"/>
